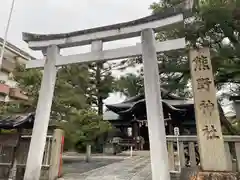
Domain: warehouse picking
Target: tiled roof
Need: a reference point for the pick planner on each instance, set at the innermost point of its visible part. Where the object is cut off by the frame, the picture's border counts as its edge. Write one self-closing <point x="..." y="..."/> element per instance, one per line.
<point x="17" y="121"/>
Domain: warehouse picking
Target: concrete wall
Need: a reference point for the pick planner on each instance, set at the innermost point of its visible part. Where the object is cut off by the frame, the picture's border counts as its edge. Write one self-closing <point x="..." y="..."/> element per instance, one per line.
<point x="12" y="55"/>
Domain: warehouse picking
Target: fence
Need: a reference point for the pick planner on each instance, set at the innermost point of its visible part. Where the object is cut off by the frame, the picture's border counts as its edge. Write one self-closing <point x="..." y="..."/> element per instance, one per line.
<point x="189" y="156"/>
<point x="13" y="156"/>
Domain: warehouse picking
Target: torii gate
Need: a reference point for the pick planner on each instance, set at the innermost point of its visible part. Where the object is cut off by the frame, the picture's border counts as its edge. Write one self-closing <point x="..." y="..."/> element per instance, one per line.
<point x="144" y="27"/>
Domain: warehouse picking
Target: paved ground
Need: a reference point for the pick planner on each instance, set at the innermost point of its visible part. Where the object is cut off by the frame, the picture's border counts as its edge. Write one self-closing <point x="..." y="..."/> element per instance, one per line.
<point x="135" y="168"/>
<point x="77" y="165"/>
<point x="110" y="168"/>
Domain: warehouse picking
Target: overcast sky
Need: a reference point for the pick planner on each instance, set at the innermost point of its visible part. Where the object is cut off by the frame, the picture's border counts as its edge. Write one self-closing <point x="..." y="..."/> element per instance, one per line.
<point x="58" y="16"/>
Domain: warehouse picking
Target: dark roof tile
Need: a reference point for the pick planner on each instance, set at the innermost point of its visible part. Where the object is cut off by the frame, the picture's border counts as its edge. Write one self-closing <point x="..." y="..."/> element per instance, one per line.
<point x="17" y="121"/>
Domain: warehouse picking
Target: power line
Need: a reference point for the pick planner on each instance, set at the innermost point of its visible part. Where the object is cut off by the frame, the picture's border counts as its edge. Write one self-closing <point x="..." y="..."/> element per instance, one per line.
<point x="6" y="32"/>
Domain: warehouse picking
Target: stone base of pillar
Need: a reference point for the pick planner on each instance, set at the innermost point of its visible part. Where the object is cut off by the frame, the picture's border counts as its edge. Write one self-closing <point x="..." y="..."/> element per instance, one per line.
<point x="196" y="174"/>
<point x="217" y="176"/>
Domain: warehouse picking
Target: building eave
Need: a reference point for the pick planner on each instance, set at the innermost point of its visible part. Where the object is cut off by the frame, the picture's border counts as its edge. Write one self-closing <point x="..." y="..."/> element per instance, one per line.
<point x="17" y="51"/>
<point x="234" y="98"/>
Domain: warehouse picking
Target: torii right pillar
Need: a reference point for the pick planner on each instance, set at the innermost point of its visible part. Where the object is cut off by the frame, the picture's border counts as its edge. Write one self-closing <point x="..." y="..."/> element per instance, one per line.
<point x="214" y="164"/>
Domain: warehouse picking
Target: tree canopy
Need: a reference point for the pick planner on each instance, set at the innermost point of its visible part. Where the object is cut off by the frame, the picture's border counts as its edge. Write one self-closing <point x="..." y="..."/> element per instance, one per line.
<point x="83" y="128"/>
<point x="80" y="89"/>
<point x="215" y="24"/>
<point x="73" y="103"/>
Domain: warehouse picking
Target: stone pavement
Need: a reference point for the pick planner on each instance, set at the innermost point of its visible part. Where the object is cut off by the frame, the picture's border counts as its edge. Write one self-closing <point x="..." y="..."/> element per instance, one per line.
<point x="135" y="168"/>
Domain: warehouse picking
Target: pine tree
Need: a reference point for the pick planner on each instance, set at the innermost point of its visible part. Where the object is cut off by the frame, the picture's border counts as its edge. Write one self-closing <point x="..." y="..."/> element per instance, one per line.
<point x="212" y="24"/>
<point x="72" y="102"/>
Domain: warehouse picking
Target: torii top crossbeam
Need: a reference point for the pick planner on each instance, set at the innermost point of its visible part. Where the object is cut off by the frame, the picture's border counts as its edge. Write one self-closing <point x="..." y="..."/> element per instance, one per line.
<point x="167" y="19"/>
<point x="106" y="33"/>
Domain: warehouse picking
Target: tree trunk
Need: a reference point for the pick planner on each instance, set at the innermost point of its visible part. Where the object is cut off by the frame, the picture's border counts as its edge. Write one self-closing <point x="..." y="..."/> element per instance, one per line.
<point x="225" y="122"/>
<point x="99" y="96"/>
<point x="100" y="105"/>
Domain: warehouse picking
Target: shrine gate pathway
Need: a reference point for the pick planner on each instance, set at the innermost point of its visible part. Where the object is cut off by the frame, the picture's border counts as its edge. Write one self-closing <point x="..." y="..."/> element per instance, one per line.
<point x="135" y="168"/>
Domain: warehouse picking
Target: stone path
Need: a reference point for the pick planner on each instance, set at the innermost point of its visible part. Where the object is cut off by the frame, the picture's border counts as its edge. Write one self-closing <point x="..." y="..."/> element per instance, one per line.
<point x="135" y="168"/>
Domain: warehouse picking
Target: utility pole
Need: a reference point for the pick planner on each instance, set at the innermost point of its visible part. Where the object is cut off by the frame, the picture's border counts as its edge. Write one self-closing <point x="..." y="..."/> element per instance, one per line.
<point x="6" y="33"/>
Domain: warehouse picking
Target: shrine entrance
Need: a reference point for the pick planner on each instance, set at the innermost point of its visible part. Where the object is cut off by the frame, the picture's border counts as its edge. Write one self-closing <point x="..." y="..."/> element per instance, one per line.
<point x="140" y="130"/>
<point x="50" y="45"/>
<point x="144" y="134"/>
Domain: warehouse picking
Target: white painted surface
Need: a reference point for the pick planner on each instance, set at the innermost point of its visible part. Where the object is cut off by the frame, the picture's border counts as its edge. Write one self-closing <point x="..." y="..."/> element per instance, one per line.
<point x="131" y="151"/>
<point x="4" y="76"/>
<point x="11" y="83"/>
<point x="157" y="135"/>
<point x="110" y="115"/>
<point x="112" y="54"/>
<point x="108" y="35"/>
<point x="38" y="140"/>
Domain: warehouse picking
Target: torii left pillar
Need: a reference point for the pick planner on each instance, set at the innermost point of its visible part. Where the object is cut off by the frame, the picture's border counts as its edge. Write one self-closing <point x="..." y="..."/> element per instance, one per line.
<point x="39" y="134"/>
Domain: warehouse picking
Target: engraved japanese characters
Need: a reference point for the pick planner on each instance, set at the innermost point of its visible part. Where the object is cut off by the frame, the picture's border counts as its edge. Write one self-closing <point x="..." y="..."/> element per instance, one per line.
<point x="201" y="63"/>
<point x="209" y="131"/>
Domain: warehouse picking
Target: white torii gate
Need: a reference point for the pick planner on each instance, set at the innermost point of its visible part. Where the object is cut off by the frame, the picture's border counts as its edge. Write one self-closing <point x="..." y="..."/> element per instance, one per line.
<point x="143" y="27"/>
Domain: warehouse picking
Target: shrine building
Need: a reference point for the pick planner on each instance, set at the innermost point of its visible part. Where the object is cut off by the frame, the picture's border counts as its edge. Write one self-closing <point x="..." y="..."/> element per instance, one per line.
<point x="130" y="116"/>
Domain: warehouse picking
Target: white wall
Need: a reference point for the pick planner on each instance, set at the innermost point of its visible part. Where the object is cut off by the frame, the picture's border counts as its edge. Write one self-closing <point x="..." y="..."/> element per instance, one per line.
<point x="4" y="76"/>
